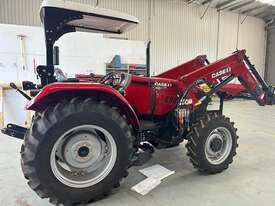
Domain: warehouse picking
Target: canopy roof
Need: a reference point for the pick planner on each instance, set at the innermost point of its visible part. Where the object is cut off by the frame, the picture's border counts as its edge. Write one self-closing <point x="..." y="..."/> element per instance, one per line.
<point x="84" y="16"/>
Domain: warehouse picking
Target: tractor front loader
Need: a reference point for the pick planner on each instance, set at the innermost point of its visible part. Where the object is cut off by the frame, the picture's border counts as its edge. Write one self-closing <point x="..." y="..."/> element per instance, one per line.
<point x="87" y="132"/>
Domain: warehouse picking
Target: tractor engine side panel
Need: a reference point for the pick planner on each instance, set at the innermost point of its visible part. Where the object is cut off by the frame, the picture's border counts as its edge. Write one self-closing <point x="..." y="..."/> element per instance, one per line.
<point x="166" y="98"/>
<point x="138" y="95"/>
<point x="152" y="96"/>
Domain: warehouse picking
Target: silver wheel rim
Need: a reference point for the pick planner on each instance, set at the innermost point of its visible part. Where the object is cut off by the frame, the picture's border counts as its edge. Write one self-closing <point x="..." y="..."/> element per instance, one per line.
<point x="83" y="156"/>
<point x="218" y="145"/>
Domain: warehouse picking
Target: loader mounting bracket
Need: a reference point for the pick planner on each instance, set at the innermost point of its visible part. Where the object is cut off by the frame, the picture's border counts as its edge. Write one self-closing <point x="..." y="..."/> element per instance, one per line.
<point x="46" y="74"/>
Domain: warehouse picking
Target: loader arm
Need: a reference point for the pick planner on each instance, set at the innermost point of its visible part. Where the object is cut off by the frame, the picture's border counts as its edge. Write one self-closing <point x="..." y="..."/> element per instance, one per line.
<point x="223" y="71"/>
<point x="185" y="68"/>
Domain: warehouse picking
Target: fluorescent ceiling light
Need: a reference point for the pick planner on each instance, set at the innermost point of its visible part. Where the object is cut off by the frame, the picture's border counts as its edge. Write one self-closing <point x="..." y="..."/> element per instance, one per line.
<point x="271" y="2"/>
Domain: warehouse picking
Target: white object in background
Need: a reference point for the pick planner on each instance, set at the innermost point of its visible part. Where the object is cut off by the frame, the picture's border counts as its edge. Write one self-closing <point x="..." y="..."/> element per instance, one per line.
<point x="154" y="175"/>
<point x="145" y="186"/>
<point x="157" y="172"/>
<point x="21" y="38"/>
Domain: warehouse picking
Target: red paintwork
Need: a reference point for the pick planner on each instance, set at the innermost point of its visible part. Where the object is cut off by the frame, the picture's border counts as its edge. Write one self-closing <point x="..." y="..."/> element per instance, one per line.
<point x="233" y="90"/>
<point x="138" y="96"/>
<point x="47" y="97"/>
<point x="184" y="69"/>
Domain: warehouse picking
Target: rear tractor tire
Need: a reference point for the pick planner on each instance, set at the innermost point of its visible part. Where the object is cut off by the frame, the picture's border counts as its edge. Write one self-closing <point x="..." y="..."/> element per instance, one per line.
<point x="77" y="151"/>
<point x="212" y="143"/>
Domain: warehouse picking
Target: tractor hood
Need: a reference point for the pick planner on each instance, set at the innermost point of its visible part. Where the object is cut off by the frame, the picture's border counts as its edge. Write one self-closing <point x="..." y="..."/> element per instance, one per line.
<point x="86" y="17"/>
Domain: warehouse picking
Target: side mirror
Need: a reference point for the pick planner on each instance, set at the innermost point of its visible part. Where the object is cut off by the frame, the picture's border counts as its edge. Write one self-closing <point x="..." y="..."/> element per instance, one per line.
<point x="55" y="55"/>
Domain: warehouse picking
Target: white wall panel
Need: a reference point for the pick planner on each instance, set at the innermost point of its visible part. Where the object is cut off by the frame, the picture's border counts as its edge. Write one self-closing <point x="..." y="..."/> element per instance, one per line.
<point x="179" y="34"/>
<point x="24" y="12"/>
<point x="227" y="34"/>
<point x="252" y="38"/>
<point x="175" y="28"/>
<point x="270" y="60"/>
<point x="138" y="8"/>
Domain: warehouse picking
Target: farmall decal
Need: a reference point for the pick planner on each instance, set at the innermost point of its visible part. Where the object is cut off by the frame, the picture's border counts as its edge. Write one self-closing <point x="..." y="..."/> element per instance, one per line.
<point x="221" y="72"/>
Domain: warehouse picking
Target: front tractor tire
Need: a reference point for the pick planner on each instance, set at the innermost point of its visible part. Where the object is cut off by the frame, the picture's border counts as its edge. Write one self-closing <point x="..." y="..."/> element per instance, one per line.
<point x="212" y="143"/>
<point x="77" y="152"/>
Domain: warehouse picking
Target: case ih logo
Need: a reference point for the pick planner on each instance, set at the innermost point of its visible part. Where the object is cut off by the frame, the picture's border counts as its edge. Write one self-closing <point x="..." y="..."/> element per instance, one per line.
<point x="221" y="72"/>
<point x="163" y="84"/>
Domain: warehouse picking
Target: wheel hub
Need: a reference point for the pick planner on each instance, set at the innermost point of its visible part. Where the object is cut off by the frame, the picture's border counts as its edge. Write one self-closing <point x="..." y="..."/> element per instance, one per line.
<point x="83" y="150"/>
<point x="83" y="156"/>
<point x="216" y="144"/>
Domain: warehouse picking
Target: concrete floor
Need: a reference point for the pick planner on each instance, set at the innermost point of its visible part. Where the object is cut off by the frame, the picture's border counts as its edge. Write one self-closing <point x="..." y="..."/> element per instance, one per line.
<point x="249" y="181"/>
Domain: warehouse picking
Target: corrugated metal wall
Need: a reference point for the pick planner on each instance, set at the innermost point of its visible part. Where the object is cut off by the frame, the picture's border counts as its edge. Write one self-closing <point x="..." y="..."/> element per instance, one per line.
<point x="138" y="8"/>
<point x="270" y="60"/>
<point x="175" y="28"/>
<point x="253" y="38"/>
<point x="24" y="12"/>
<point x="178" y="33"/>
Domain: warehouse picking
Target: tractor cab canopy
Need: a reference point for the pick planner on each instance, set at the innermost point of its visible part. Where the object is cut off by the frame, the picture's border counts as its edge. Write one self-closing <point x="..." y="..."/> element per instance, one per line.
<point x="60" y="17"/>
<point x="83" y="16"/>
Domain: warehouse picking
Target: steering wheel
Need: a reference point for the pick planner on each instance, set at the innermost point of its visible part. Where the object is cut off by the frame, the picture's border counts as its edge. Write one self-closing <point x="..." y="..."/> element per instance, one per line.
<point x="109" y="76"/>
<point x="125" y="80"/>
<point x="119" y="81"/>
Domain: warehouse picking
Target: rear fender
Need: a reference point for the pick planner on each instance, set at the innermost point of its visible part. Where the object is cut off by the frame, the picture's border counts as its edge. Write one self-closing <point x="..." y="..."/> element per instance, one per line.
<point x="53" y="93"/>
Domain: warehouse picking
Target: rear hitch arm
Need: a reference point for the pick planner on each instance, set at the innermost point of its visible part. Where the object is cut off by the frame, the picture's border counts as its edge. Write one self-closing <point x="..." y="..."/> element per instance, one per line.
<point x="14" y="131"/>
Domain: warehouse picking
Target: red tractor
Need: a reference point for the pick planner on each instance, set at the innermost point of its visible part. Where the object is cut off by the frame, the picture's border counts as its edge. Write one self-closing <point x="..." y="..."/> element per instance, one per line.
<point x="85" y="134"/>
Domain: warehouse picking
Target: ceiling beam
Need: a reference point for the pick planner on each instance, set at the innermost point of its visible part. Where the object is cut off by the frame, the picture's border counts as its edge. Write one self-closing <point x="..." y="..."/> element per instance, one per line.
<point x="190" y="1"/>
<point x="269" y="16"/>
<point x="229" y="6"/>
<point x="225" y="3"/>
<point x="242" y="5"/>
<point x="206" y="2"/>
<point x="268" y="9"/>
<point x="253" y="9"/>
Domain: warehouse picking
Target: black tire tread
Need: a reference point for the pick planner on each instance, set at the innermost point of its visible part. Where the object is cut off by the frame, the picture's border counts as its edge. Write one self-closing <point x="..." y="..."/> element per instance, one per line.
<point x="194" y="141"/>
<point x="54" y="114"/>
